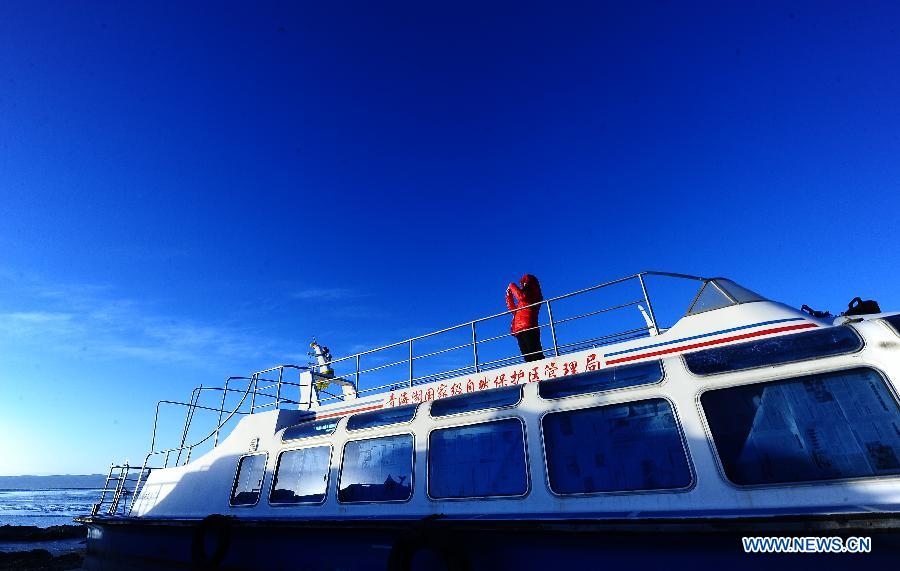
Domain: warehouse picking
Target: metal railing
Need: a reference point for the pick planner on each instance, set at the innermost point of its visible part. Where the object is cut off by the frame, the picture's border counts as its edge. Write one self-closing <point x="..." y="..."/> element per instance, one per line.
<point x="477" y="364"/>
<point x="253" y="391"/>
<point x="116" y="498"/>
<point x="277" y="380"/>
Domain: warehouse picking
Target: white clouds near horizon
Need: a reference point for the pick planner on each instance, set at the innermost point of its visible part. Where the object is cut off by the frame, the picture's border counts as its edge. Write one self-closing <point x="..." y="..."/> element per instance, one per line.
<point x="85" y="317"/>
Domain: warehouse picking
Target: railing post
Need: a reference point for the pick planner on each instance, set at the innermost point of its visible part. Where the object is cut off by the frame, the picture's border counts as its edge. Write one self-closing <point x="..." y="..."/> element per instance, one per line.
<point x="137" y="485"/>
<point x="155" y="425"/>
<point x="552" y="331"/>
<point x="255" y="382"/>
<point x="99" y="505"/>
<point x="278" y="388"/>
<point x="357" y="373"/>
<point x="649" y="305"/>
<point x="117" y="496"/>
<point x="410" y="363"/>
<point x="475" y="346"/>
<point x="195" y="398"/>
<point x="221" y="410"/>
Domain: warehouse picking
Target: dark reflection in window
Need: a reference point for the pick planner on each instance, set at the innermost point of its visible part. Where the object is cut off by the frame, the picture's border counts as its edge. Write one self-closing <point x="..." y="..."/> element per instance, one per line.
<point x="775" y="350"/>
<point x="602" y="380"/>
<point x="377" y="470"/>
<point x="634" y="446"/>
<point x="301" y="476"/>
<point x="486" y="459"/>
<point x="384" y="417"/>
<point x="248" y="483"/>
<point x="844" y="424"/>
<point x="310" y="428"/>
<point x="894" y="321"/>
<point x="493" y="398"/>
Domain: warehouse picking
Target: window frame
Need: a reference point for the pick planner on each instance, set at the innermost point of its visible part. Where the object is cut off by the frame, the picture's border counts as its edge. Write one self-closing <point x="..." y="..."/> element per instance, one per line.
<point x="412" y="473"/>
<point x="862" y="346"/>
<point x="681" y="434"/>
<point x="301" y="439"/>
<point x="234" y="482"/>
<point x="720" y="467"/>
<point x="690" y="310"/>
<point x="528" y="483"/>
<point x="476" y="411"/>
<point x="662" y="379"/>
<point x="349" y="430"/>
<point x="278" y="466"/>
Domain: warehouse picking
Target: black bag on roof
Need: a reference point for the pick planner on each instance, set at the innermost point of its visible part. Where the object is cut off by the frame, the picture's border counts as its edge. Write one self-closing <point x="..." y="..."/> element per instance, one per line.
<point x="859" y="307"/>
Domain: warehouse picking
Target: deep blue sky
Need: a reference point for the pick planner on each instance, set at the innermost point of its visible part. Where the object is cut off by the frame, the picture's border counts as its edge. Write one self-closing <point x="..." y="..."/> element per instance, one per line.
<point x="189" y="192"/>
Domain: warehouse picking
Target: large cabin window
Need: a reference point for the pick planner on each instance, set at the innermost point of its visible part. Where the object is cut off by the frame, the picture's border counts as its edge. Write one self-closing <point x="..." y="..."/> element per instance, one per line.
<point x="482" y="400"/>
<point x="602" y="380"/>
<point x="823" y="342"/>
<point x="843" y="424"/>
<point x="384" y="417"/>
<point x="377" y="470"/>
<point x="615" y="448"/>
<point x="478" y="460"/>
<point x="248" y="481"/>
<point x="301" y="476"/>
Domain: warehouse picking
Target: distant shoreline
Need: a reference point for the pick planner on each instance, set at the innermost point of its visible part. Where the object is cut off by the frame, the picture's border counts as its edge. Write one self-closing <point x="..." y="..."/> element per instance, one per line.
<point x="54" y="482"/>
<point x="50" y="489"/>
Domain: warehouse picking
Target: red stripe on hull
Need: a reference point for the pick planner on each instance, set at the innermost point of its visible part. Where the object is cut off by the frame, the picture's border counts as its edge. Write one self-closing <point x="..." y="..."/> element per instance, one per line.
<point x="713" y="342"/>
<point x="345" y="412"/>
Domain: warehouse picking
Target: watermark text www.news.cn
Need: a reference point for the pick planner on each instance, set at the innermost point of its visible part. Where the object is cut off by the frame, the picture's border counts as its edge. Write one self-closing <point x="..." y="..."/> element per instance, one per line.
<point x="807" y="544"/>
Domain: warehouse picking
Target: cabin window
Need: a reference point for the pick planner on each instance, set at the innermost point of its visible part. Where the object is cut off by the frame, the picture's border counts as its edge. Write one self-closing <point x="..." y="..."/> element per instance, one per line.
<point x="384" y="417"/>
<point x="482" y="400"/>
<point x="615" y="448"/>
<point x="602" y="380"/>
<point x="249" y="480"/>
<point x="894" y="321"/>
<point x="738" y="292"/>
<point x="710" y="297"/>
<point x="478" y="460"/>
<point x="310" y="428"/>
<point x="377" y="470"/>
<point x="843" y="424"/>
<point x="775" y="350"/>
<point x="301" y="476"/>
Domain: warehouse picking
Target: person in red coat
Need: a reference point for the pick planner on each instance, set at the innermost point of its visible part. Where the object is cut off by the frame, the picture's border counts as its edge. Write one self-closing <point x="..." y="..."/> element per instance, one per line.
<point x="525" y="320"/>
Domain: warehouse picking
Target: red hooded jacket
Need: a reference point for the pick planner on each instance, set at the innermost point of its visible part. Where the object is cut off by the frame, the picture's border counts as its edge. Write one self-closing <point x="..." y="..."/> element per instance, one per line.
<point x="529" y="293"/>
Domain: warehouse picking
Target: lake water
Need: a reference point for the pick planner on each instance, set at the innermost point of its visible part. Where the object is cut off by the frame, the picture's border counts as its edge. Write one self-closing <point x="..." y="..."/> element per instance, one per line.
<point x="44" y="508"/>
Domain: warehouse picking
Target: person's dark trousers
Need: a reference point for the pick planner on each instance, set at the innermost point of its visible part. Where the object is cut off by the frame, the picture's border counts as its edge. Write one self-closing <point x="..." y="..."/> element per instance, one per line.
<point x="530" y="344"/>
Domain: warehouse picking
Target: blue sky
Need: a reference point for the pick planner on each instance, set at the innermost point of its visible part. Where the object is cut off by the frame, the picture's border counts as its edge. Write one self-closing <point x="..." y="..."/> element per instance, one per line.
<point x="190" y="192"/>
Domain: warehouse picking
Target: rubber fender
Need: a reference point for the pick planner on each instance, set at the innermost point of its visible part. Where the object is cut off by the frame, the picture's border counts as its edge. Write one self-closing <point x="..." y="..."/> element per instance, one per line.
<point x="412" y="543"/>
<point x="217" y="530"/>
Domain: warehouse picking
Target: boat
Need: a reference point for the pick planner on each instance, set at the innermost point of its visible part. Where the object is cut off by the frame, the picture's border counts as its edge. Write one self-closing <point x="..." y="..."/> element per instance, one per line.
<point x="628" y="443"/>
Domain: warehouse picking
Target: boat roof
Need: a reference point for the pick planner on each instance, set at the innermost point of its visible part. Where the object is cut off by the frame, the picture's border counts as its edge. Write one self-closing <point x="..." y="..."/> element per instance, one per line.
<point x="608" y="324"/>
